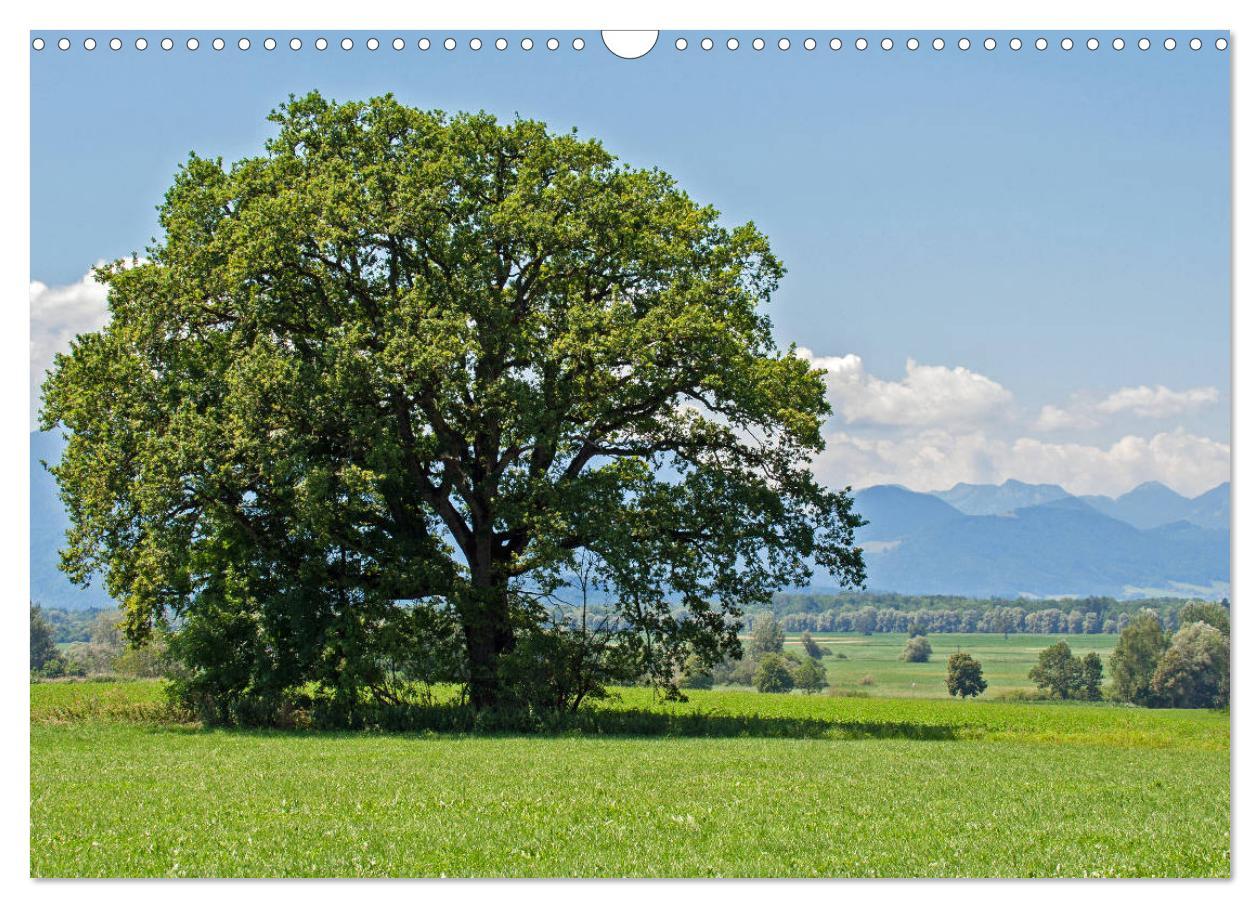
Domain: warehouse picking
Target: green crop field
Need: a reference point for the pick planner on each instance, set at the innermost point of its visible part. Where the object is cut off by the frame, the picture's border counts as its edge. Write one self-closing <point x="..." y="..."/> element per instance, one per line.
<point x="744" y="784"/>
<point x="1006" y="661"/>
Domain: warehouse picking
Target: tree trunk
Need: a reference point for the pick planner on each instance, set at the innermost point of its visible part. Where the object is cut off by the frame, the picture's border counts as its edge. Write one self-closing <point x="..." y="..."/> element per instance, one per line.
<point x="488" y="635"/>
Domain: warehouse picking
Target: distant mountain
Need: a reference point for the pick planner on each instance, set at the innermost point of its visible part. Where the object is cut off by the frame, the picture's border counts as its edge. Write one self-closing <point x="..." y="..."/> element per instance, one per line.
<point x="1211" y="509"/>
<point x="993" y="499"/>
<point x="49" y="587"/>
<point x="894" y="512"/>
<point x="1150" y="505"/>
<point x="1062" y="548"/>
<point x="1153" y="504"/>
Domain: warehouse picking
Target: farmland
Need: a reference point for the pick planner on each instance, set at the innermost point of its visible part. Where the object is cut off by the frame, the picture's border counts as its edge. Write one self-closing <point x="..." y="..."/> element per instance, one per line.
<point x="1006" y="661"/>
<point x="743" y="784"/>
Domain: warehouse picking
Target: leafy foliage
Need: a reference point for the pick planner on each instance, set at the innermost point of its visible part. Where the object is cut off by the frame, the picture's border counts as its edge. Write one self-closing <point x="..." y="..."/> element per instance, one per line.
<point x="812" y="648"/>
<point x="810" y="676"/>
<point x="390" y="384"/>
<point x="1135" y="658"/>
<point x="71" y="625"/>
<point x="773" y="674"/>
<point x="899" y="613"/>
<point x="43" y="650"/>
<point x="917" y="649"/>
<point x="1058" y="671"/>
<point x="696" y="675"/>
<point x="767" y="635"/>
<point x="964" y="676"/>
<point x="1213" y="613"/>
<point x="1194" y="671"/>
<point x="1091" y="677"/>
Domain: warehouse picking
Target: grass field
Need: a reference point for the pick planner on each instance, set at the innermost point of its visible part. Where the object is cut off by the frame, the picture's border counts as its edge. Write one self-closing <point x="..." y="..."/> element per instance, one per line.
<point x="750" y="785"/>
<point x="1006" y="661"/>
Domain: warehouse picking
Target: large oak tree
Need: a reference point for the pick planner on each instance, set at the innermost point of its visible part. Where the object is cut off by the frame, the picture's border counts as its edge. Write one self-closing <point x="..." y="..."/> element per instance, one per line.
<point x="402" y="372"/>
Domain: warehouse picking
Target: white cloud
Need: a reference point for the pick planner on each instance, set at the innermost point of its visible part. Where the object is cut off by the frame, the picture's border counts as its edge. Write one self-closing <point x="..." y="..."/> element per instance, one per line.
<point x="1189" y="463"/>
<point x="1142" y="401"/>
<point x="934" y="459"/>
<point x="58" y="314"/>
<point x="1158" y="402"/>
<point x="926" y="396"/>
<point x="1055" y="419"/>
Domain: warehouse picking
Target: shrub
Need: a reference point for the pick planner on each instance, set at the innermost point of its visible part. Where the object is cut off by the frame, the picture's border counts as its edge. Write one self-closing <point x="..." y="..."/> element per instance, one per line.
<point x="1194" y="671"/>
<point x="867" y="681"/>
<point x="810" y="676"/>
<point x="917" y="650"/>
<point x="1021" y="695"/>
<point x="964" y="676"/>
<point x="812" y="649"/>
<point x="773" y="675"/>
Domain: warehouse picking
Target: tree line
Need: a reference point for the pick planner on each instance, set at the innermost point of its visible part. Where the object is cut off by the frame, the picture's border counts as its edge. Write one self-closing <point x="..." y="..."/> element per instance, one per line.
<point x="884" y="613"/>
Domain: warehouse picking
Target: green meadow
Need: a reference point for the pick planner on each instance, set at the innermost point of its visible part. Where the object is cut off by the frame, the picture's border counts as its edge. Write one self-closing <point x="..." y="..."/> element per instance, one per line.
<point x="876" y="659"/>
<point x="737" y="784"/>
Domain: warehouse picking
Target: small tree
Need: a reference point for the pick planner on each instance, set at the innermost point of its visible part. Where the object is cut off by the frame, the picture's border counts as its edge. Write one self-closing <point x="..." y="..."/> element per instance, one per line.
<point x="1194" y="671"/>
<point x="773" y="675"/>
<point x="1091" y="677"/>
<point x="767" y="635"/>
<point x="1058" y="671"/>
<point x="1135" y="657"/>
<point x="810" y="676"/>
<point x="917" y="650"/>
<point x="811" y="647"/>
<point x="44" y="655"/>
<point x="964" y="677"/>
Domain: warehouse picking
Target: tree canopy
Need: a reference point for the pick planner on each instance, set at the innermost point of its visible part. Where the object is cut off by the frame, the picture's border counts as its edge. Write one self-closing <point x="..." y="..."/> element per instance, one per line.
<point x="375" y="393"/>
<point x="1194" y="671"/>
<point x="1134" y="659"/>
<point x="1066" y="676"/>
<point x="964" y="676"/>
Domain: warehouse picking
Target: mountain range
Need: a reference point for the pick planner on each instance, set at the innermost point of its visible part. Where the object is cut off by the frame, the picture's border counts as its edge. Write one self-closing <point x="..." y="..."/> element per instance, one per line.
<point x="1018" y="539"/>
<point x="1011" y="539"/>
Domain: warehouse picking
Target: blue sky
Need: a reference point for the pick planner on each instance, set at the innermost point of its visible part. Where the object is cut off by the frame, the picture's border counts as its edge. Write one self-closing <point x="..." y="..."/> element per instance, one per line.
<point x="1012" y="263"/>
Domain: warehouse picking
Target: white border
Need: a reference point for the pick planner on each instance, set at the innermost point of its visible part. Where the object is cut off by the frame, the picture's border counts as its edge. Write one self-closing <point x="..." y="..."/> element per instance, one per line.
<point x="662" y="14"/>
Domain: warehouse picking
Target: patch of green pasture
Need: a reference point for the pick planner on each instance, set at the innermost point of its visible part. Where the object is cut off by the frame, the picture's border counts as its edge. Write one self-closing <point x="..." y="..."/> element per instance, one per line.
<point x="1047" y="722"/>
<point x="116" y="799"/>
<point x="74" y="700"/>
<point x="1006" y="661"/>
